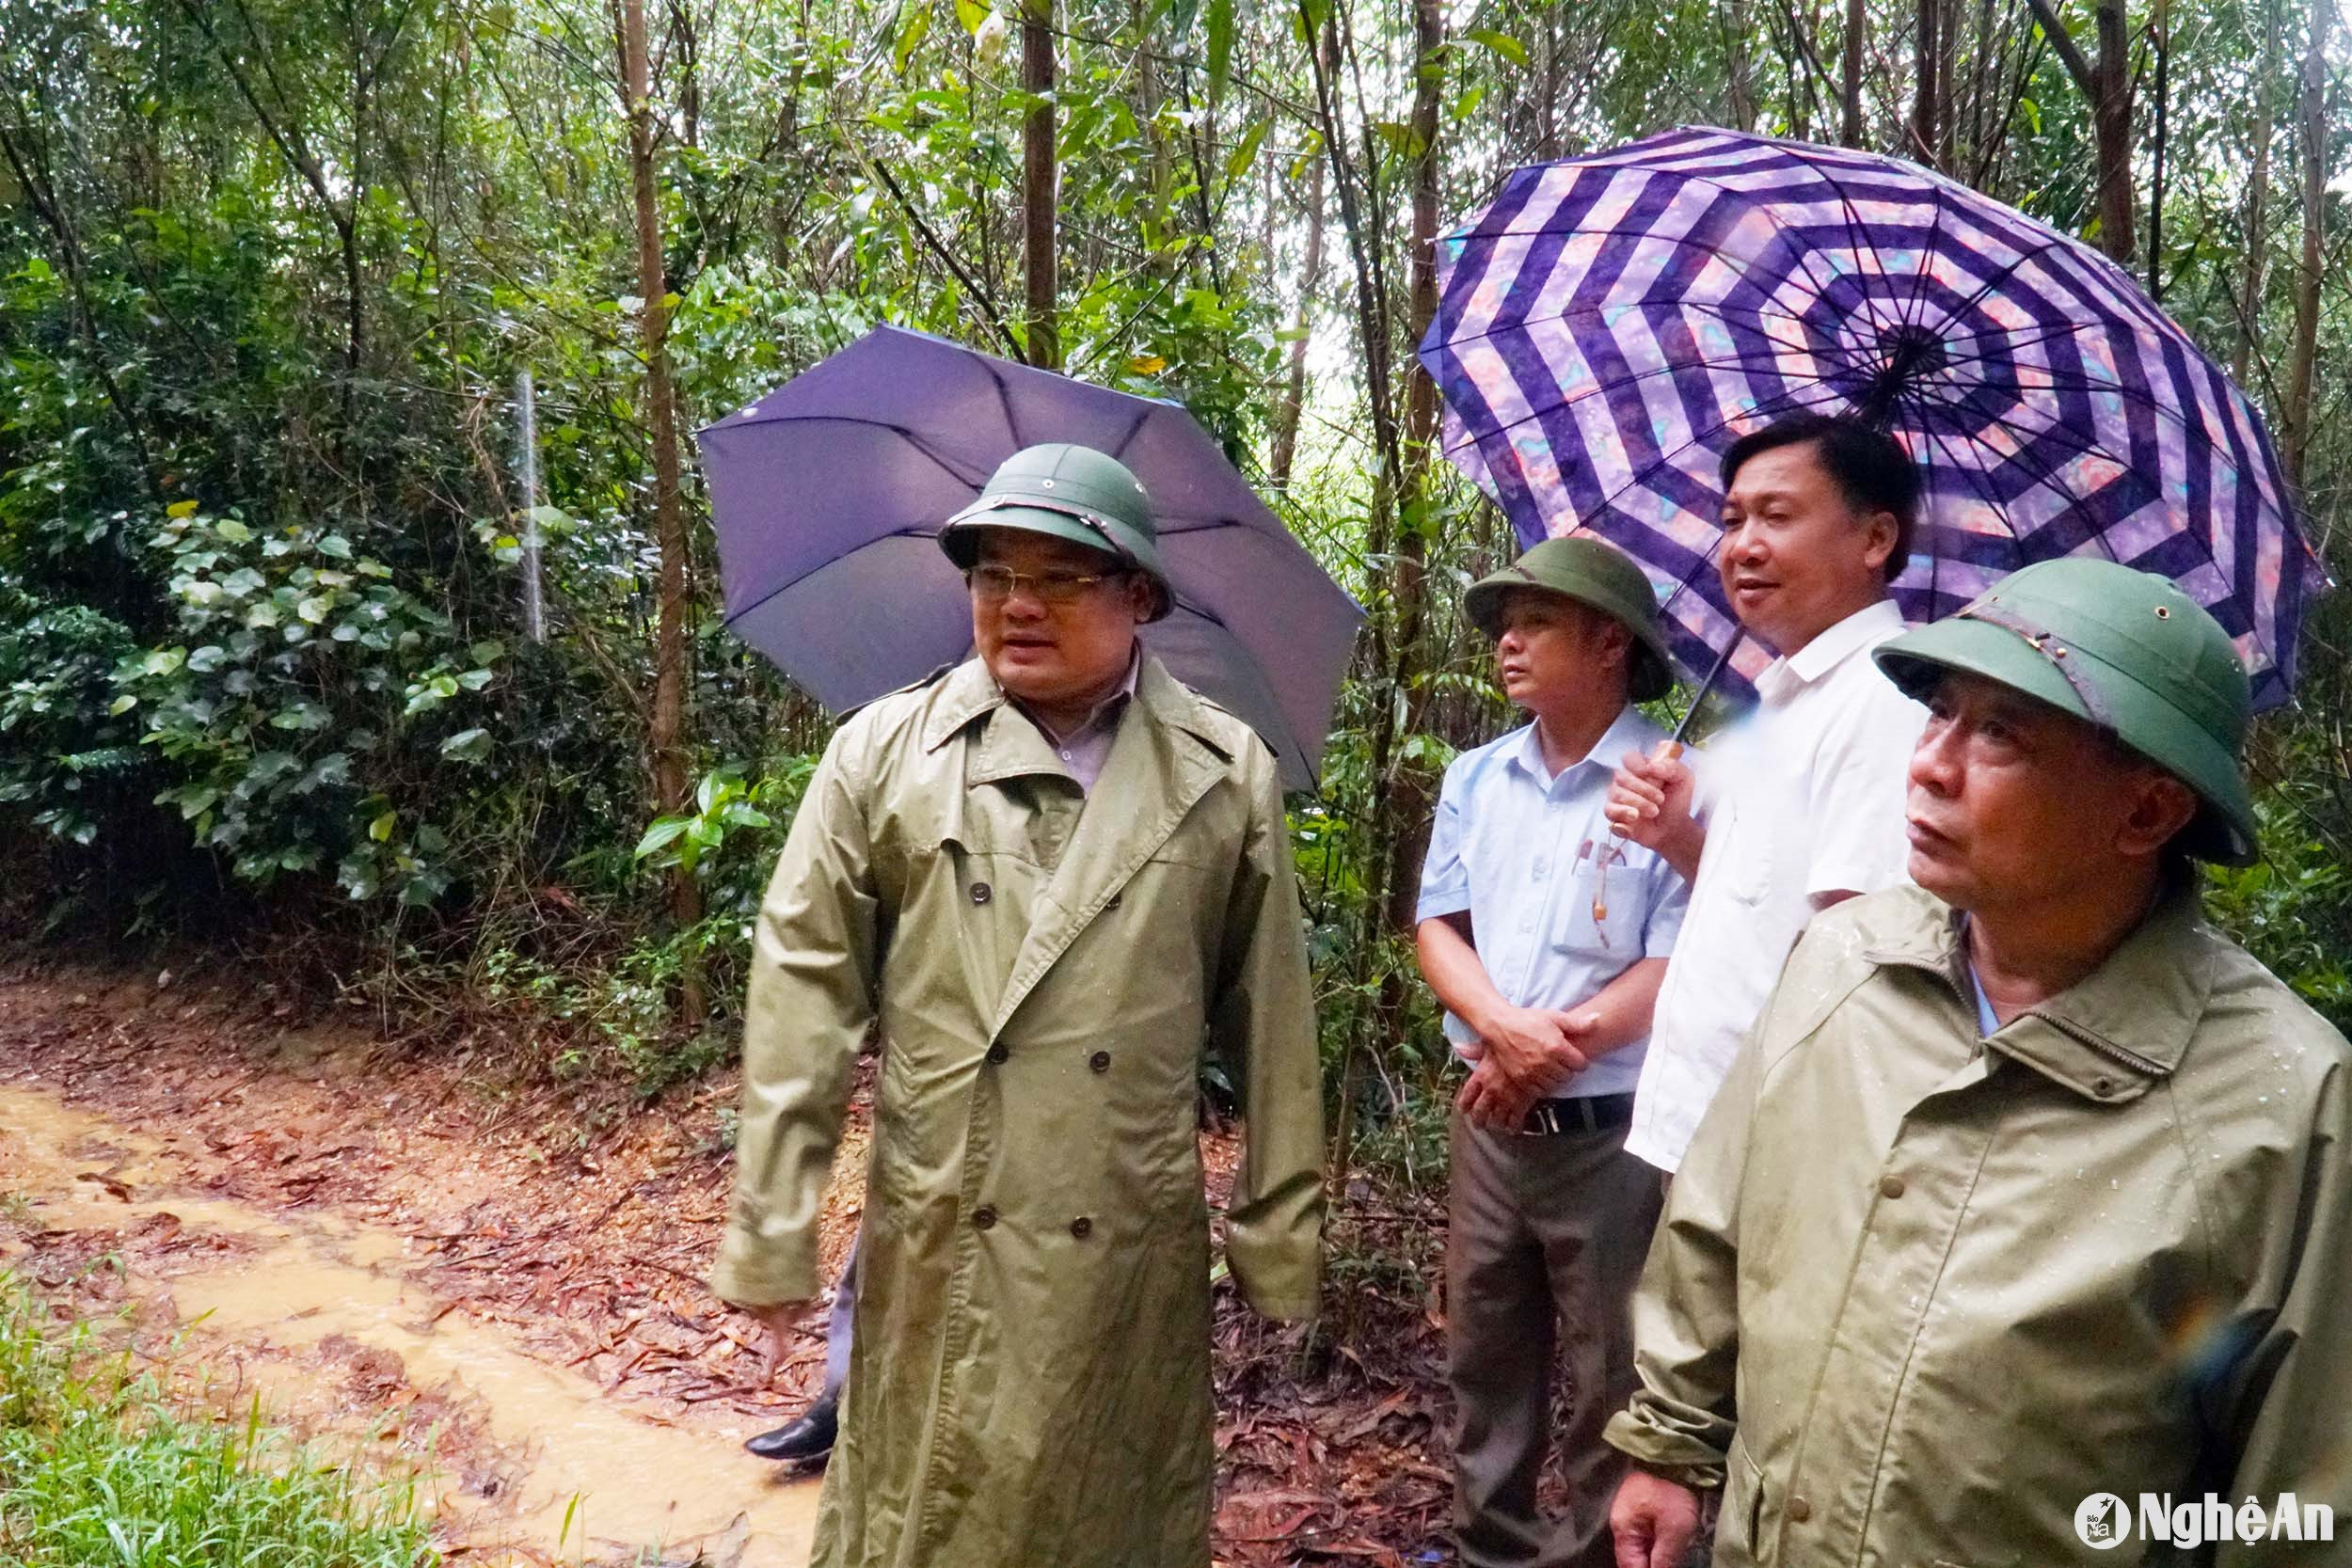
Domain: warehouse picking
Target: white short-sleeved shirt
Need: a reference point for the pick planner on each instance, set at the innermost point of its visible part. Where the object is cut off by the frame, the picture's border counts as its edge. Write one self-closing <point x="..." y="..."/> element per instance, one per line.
<point x="1804" y="798"/>
<point x="1522" y="852"/>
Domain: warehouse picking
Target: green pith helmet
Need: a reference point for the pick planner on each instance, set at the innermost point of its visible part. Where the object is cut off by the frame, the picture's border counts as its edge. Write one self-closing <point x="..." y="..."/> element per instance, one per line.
<point x="1591" y="573"/>
<point x="2120" y="649"/>
<point x="1069" y="492"/>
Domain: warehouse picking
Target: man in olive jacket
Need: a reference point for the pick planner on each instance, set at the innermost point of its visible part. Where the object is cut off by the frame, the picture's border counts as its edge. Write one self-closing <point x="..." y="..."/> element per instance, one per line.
<point x="1051" y="875"/>
<point x="2030" y="1191"/>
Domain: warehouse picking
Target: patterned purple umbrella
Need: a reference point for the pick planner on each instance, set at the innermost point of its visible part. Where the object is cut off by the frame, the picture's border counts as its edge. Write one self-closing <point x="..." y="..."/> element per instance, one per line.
<point x="828" y="492"/>
<point x="1610" y="324"/>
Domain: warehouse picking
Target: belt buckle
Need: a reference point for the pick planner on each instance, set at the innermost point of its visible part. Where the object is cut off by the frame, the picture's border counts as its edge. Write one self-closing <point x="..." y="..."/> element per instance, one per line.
<point x="1549" y="1115"/>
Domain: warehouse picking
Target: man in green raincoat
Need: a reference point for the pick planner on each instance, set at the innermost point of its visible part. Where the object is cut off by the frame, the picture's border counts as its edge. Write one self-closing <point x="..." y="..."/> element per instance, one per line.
<point x="2021" y="1232"/>
<point x="1051" y="875"/>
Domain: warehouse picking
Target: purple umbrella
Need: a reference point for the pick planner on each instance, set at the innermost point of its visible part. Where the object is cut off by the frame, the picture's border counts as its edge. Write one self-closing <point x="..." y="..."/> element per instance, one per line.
<point x="828" y="494"/>
<point x="1610" y="324"/>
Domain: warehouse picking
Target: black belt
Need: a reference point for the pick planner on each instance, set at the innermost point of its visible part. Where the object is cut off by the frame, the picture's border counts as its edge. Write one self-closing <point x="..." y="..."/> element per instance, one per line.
<point x="1592" y="1113"/>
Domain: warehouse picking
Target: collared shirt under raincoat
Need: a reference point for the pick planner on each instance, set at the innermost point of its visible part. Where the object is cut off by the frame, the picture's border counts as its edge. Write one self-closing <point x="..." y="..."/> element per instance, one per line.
<point x="1917" y="1295"/>
<point x="1029" y="1383"/>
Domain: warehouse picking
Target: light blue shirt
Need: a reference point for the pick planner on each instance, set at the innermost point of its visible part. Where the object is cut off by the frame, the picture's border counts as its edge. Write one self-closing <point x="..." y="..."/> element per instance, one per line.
<point x="1555" y="913"/>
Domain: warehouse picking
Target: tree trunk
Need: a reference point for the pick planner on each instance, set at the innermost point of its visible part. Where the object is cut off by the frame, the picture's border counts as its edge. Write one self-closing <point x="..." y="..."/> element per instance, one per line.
<point x="1925" y="73"/>
<point x="669" y="689"/>
<point x="2107" y="82"/>
<point x="1857" y="34"/>
<point x="2295" y="406"/>
<point x="1946" y="67"/>
<point x="1037" y="178"/>
<point x="2258" y="196"/>
<point x="1409" y="801"/>
<point x="2112" y="108"/>
<point x="1294" y="404"/>
<point x="1740" y="65"/>
<point x="2160" y="40"/>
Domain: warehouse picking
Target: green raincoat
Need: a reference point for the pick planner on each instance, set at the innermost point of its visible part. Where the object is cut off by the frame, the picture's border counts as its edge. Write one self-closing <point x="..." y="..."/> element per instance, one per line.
<point x="1029" y="1382"/>
<point x="1920" y="1295"/>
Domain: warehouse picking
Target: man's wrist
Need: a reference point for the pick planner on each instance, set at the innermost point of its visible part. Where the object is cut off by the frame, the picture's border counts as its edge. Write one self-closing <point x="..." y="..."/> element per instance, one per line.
<point x="1485" y="1021"/>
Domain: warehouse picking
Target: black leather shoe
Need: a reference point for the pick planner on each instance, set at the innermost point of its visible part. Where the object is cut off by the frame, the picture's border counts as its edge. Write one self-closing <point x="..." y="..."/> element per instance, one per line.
<point x="805" y="1441"/>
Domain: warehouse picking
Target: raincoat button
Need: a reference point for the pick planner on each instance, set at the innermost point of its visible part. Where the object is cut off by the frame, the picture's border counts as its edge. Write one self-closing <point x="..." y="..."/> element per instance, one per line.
<point x="1081" y="1228"/>
<point x="1890" y="1186"/>
<point x="996" y="1053"/>
<point x="2105" y="1087"/>
<point x="1799" y="1511"/>
<point x="1100" y="1061"/>
<point x="984" y="1218"/>
<point x="981" y="894"/>
<point x="1112" y="904"/>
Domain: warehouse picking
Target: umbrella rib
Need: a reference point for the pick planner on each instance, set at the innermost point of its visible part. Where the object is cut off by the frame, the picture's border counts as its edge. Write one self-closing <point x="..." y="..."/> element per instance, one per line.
<point x="2007" y="271"/>
<point x="1916" y="315"/>
<point x="1004" y="401"/>
<point x="785" y="587"/>
<point x="2017" y="339"/>
<point x="905" y="435"/>
<point x="1586" y="393"/>
<point x="1856" y="229"/>
<point x="1133" y="430"/>
<point x="2149" y="401"/>
<point x="2047" y="474"/>
<point x="1975" y="482"/>
<point x="1762" y="207"/>
<point x="1739" y="264"/>
<point x="1597" y="308"/>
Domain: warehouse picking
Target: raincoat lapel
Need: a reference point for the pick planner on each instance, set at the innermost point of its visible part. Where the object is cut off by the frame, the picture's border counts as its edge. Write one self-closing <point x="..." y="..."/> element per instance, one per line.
<point x="1159" y="767"/>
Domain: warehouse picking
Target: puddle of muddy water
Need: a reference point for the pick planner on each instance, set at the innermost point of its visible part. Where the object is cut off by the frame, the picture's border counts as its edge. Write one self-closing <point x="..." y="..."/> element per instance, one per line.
<point x="584" y="1472"/>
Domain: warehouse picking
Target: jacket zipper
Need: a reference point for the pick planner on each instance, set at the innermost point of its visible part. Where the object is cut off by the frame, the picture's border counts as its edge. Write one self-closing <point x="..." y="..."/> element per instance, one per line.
<point x="2123" y="1055"/>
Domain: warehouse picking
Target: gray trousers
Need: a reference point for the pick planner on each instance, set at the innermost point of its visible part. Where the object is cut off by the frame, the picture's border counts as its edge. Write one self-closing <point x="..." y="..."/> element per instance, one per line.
<point x="837" y="1322"/>
<point x="1544" y="1239"/>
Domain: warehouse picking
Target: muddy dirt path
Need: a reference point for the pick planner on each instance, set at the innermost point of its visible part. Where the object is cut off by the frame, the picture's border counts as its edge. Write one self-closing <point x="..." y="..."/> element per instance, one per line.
<point x="500" y="1278"/>
<point x="359" y="1327"/>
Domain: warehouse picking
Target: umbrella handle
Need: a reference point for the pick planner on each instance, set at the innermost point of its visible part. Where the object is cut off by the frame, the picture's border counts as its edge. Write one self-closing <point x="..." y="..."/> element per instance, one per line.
<point x="1683" y="727"/>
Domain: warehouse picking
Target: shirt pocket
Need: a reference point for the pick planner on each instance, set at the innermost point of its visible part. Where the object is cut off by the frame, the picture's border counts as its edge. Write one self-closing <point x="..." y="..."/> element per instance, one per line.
<point x="1603" y="914"/>
<point x="1752" y="849"/>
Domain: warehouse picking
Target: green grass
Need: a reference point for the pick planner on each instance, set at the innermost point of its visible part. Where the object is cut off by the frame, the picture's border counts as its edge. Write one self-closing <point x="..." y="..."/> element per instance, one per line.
<point x="100" y="1466"/>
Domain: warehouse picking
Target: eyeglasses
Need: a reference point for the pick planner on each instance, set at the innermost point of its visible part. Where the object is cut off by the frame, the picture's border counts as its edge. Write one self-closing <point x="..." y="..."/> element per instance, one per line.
<point x="996" y="584"/>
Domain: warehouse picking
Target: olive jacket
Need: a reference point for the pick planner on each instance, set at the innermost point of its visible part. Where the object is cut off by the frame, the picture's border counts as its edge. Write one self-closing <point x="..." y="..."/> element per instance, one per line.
<point x="1029" y="1379"/>
<point x="1917" y="1295"/>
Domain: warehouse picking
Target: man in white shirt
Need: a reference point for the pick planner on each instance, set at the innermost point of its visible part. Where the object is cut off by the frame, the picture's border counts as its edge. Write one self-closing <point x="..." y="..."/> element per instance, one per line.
<point x="1545" y="938"/>
<point x="1800" y="804"/>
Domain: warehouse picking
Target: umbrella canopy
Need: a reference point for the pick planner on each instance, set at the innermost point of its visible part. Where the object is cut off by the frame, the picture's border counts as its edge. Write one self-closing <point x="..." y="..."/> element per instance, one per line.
<point x="1610" y="324"/>
<point x="828" y="494"/>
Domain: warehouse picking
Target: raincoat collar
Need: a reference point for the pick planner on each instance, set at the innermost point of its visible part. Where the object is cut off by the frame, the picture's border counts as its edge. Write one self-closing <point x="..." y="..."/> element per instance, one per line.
<point x="970" y="692"/>
<point x="1154" y="775"/>
<point x="2112" y="1035"/>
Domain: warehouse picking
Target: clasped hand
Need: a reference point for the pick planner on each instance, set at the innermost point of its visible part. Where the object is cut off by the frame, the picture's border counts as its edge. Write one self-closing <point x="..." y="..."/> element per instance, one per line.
<point x="1524" y="1055"/>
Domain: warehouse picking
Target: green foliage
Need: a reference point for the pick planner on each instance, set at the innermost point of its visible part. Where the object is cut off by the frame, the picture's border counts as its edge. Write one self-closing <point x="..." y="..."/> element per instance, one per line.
<point x="305" y="706"/>
<point x="262" y="653"/>
<point x="2293" y="910"/>
<point x="97" y="1466"/>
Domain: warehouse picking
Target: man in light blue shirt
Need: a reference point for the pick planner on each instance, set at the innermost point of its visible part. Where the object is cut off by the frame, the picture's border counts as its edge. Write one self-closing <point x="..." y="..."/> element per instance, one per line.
<point x="1545" y="936"/>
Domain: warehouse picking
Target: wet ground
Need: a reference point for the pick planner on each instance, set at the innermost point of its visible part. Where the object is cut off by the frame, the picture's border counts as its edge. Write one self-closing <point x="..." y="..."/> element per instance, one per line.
<point x="293" y="1306"/>
<point x="497" y="1279"/>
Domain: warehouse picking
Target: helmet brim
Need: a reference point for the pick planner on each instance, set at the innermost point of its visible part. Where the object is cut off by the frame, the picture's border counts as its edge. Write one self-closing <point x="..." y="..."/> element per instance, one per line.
<point x="1649" y="677"/>
<point x="2223" y="830"/>
<point x="959" y="537"/>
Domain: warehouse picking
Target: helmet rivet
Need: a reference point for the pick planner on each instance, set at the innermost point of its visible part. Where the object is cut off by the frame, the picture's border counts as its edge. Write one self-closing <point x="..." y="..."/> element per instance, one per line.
<point x="1049" y="484"/>
<point x="2164" y="612"/>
